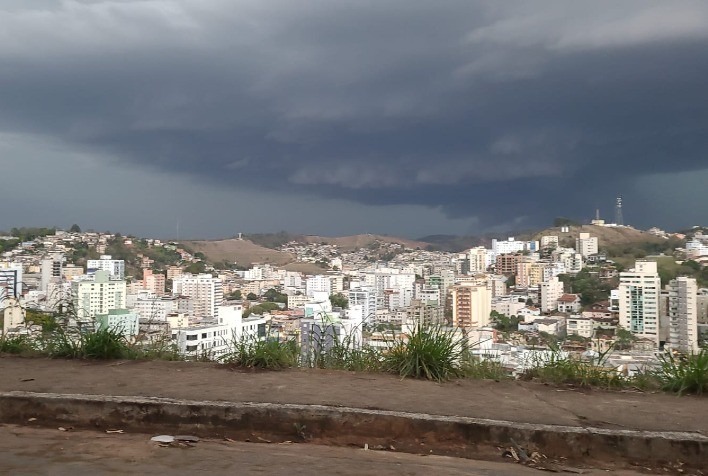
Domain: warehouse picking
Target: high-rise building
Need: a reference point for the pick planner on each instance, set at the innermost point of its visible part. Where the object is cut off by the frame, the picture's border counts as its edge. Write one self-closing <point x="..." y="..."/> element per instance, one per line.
<point x="97" y="294"/>
<point x="506" y="264"/>
<point x="366" y="299"/>
<point x="479" y="259"/>
<point x="639" y="291"/>
<point x="551" y="291"/>
<point x="51" y="270"/>
<point x="683" y="315"/>
<point x="318" y="284"/>
<point x="205" y="291"/>
<point x="586" y="245"/>
<point x="114" y="267"/>
<point x="471" y="305"/>
<point x="154" y="283"/>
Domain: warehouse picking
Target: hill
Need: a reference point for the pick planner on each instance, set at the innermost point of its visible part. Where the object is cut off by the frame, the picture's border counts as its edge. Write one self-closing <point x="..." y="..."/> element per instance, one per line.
<point x="243" y="252"/>
<point x="607" y="236"/>
<point x="354" y="242"/>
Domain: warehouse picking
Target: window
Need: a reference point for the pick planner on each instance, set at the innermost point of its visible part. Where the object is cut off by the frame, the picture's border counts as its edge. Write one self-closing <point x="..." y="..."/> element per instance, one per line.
<point x="192" y="337"/>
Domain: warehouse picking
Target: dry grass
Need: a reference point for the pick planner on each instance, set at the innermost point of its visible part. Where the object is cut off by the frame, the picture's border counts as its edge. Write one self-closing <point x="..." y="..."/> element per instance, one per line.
<point x="241" y="251"/>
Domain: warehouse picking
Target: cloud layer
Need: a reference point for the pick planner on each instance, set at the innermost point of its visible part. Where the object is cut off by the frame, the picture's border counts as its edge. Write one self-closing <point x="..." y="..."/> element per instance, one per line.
<point x="485" y="110"/>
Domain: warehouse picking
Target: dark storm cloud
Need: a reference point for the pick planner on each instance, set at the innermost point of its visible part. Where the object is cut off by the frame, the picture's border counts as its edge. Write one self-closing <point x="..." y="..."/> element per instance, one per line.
<point x="495" y="110"/>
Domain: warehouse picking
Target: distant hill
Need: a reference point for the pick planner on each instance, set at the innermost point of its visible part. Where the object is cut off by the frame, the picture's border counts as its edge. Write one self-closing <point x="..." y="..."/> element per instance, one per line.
<point x="243" y="252"/>
<point x="454" y="243"/>
<point x="607" y="236"/>
<point x="354" y="242"/>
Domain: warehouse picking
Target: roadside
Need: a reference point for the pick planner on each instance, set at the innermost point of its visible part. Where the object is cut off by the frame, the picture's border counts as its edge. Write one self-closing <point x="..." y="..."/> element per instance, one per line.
<point x="523" y="402"/>
<point x="34" y="451"/>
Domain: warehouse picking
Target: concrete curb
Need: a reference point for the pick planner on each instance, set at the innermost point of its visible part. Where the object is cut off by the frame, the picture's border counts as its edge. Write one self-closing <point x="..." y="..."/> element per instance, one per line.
<point x="408" y="432"/>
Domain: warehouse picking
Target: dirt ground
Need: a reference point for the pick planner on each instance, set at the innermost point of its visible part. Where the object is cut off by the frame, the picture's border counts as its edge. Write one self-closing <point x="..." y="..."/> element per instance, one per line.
<point x="31" y="451"/>
<point x="507" y="400"/>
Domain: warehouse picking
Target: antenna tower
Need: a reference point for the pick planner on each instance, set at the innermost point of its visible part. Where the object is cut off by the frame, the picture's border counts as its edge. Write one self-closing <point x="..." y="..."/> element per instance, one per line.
<point x="618" y="212"/>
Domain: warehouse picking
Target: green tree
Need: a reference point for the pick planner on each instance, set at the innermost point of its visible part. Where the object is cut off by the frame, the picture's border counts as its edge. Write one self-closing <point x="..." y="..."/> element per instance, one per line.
<point x="623" y="338"/>
<point x="75" y="228"/>
<point x="251" y="297"/>
<point x="274" y="296"/>
<point x="504" y="323"/>
<point x="235" y="295"/>
<point x="339" y="300"/>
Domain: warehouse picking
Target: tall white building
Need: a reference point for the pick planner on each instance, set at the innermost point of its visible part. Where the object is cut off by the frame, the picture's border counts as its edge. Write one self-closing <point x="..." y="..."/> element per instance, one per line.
<point x="549" y="241"/>
<point x="480" y="258"/>
<point x="683" y="314"/>
<point x="97" y="294"/>
<point x="319" y="283"/>
<point x="551" y="291"/>
<point x="586" y="245"/>
<point x="205" y="291"/>
<point x="639" y="292"/>
<point x="114" y="267"/>
<point x="365" y="299"/>
<point x="509" y="246"/>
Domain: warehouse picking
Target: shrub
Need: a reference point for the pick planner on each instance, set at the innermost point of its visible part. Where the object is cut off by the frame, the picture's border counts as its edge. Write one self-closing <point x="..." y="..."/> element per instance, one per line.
<point x="562" y="369"/>
<point x="17" y="345"/>
<point x="249" y="352"/>
<point x="105" y="344"/>
<point x="484" y="369"/>
<point x="683" y="373"/>
<point x="432" y="353"/>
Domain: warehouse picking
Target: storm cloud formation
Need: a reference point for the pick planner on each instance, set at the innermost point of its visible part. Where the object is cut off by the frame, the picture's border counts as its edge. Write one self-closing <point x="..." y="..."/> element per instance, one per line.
<point x="503" y="113"/>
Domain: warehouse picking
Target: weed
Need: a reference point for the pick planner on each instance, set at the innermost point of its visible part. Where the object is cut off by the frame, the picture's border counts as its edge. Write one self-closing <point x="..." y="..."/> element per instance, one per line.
<point x="250" y="352"/>
<point x="683" y="373"/>
<point x="432" y="353"/>
<point x="558" y="368"/>
<point x="17" y="345"/>
<point x="484" y="369"/>
<point x="105" y="344"/>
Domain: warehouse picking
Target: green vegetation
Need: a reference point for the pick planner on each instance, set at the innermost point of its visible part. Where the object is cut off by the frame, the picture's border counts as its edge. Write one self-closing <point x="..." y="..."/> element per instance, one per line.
<point x="479" y="369"/>
<point x="75" y="228"/>
<point x="19" y="345"/>
<point x="273" y="240"/>
<point x="563" y="221"/>
<point x="29" y="234"/>
<point x="683" y="373"/>
<point x="261" y="308"/>
<point x="8" y="245"/>
<point x="591" y="288"/>
<point x="251" y="297"/>
<point x="249" y="352"/>
<point x="274" y="296"/>
<point x="504" y="323"/>
<point x="339" y="300"/>
<point x="560" y="369"/>
<point x="235" y="295"/>
<point x="432" y="353"/>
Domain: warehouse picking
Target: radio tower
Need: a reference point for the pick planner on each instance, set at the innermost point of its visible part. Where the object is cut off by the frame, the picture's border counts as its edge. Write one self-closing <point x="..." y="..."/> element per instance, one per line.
<point x="618" y="212"/>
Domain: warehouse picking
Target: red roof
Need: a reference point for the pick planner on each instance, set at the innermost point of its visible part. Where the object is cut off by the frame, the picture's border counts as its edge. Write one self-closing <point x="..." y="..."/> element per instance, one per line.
<point x="568" y="298"/>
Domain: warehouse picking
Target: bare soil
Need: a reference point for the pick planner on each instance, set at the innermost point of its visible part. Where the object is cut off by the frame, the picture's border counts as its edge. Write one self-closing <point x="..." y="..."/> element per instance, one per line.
<point x="526" y="402"/>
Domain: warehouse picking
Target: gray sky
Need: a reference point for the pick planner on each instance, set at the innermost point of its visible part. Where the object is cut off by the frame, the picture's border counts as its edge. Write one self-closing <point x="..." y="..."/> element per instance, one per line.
<point x="337" y="117"/>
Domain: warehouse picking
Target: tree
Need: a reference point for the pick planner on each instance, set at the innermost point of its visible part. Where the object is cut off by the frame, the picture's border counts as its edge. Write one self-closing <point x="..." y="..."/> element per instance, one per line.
<point x="75" y="228"/>
<point x="274" y="296"/>
<point x="623" y="338"/>
<point x="251" y="297"/>
<point x="504" y="323"/>
<point x="339" y="300"/>
<point x="236" y="295"/>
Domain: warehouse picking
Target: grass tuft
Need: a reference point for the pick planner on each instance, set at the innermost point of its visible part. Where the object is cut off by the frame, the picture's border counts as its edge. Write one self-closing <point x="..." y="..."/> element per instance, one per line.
<point x="249" y="352"/>
<point x="432" y="353"/>
<point x="683" y="374"/>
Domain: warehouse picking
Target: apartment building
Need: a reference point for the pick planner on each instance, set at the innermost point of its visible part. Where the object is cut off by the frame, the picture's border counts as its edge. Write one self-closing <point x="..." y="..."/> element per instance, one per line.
<point x="114" y="267"/>
<point x="683" y="314"/>
<point x="205" y="291"/>
<point x="97" y="294"/>
<point x="638" y="295"/>
<point x="551" y="291"/>
<point x="471" y="306"/>
<point x="586" y="245"/>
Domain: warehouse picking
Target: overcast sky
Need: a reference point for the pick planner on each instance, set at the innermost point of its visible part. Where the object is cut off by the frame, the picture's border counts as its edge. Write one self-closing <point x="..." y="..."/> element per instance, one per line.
<point x="214" y="117"/>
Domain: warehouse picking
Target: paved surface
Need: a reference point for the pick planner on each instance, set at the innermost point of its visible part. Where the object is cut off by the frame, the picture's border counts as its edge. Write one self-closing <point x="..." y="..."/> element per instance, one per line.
<point x="508" y="400"/>
<point x="31" y="451"/>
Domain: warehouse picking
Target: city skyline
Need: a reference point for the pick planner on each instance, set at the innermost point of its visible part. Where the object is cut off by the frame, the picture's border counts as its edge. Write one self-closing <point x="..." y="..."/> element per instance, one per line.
<point x="400" y="118"/>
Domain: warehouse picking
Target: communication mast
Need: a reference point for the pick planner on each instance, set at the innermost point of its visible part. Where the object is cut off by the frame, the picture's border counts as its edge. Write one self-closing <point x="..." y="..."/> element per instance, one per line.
<point x="618" y="212"/>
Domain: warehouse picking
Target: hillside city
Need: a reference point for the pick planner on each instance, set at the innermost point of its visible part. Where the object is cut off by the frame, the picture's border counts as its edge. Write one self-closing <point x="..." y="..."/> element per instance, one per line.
<point x="512" y="300"/>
